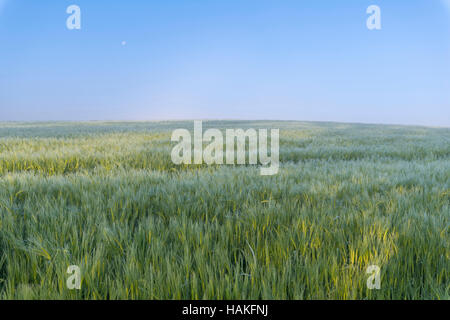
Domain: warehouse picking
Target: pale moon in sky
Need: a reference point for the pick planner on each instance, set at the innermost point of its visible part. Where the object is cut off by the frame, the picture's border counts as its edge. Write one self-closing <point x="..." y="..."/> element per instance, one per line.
<point x="124" y="43"/>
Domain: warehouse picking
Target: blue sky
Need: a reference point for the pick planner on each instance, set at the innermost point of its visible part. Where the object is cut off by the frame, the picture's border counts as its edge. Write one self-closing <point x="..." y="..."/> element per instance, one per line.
<point x="234" y="59"/>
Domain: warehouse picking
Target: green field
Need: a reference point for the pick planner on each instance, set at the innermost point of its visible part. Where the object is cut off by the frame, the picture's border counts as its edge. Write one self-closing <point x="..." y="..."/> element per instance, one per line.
<point x="106" y="197"/>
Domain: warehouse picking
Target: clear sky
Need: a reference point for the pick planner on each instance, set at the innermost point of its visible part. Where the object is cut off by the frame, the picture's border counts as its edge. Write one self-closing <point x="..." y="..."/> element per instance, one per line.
<point x="227" y="59"/>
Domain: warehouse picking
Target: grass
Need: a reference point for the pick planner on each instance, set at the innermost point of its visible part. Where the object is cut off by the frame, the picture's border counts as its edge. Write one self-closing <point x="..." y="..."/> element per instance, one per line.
<point x="106" y="197"/>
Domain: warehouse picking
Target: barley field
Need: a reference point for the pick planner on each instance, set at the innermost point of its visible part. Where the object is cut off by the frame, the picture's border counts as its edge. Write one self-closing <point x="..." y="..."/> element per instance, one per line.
<point x="105" y="196"/>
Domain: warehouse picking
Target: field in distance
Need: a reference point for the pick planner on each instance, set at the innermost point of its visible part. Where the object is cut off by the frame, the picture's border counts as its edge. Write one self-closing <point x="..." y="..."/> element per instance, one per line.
<point x="105" y="196"/>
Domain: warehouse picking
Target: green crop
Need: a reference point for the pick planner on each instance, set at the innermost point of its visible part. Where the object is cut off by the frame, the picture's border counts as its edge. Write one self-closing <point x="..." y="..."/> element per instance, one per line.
<point x="107" y="197"/>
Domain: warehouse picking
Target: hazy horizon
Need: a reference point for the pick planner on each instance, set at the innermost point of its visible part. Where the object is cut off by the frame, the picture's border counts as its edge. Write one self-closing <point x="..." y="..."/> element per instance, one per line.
<point x="219" y="120"/>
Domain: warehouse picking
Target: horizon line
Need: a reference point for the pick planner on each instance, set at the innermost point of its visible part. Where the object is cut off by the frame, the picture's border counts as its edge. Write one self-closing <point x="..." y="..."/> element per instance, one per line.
<point x="223" y="119"/>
